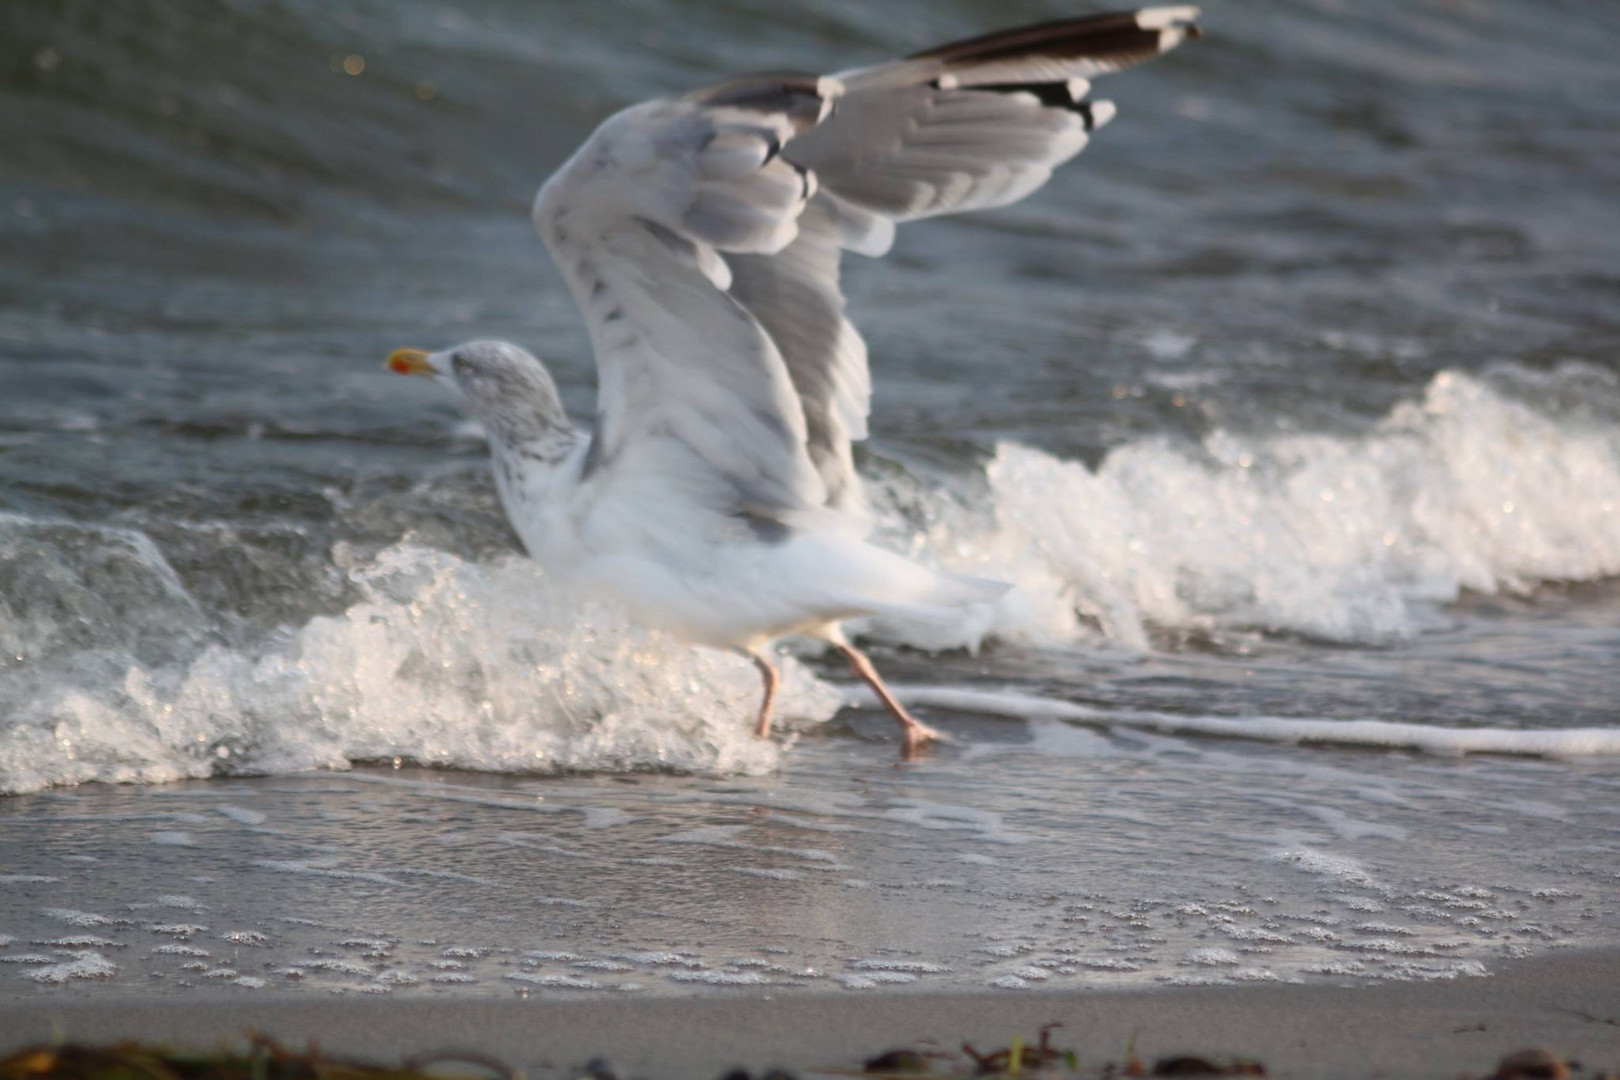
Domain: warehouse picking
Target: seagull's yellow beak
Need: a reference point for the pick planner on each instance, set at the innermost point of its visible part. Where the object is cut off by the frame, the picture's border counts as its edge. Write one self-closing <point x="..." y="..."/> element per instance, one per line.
<point x="410" y="362"/>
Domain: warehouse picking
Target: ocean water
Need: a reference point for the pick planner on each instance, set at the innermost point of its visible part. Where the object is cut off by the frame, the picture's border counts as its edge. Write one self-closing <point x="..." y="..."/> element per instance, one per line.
<point x="1291" y="408"/>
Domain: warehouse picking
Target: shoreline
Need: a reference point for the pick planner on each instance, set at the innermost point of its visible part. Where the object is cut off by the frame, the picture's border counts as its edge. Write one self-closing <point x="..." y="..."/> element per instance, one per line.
<point x="1568" y="1002"/>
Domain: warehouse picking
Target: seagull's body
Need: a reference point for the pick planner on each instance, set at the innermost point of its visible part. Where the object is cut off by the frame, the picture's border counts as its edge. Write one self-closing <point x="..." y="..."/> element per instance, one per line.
<point x="701" y="238"/>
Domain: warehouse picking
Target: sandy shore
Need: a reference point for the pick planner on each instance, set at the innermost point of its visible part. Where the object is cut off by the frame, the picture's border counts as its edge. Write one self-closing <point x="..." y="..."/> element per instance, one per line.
<point x="1568" y="1002"/>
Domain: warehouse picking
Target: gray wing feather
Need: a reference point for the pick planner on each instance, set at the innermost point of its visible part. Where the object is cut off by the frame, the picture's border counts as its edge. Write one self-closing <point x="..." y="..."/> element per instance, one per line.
<point x="636" y="220"/>
<point x="795" y="296"/>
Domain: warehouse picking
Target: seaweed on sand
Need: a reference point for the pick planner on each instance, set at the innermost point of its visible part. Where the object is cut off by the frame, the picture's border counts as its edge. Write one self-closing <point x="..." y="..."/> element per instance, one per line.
<point x="1038" y="1060"/>
<point x="262" y="1060"/>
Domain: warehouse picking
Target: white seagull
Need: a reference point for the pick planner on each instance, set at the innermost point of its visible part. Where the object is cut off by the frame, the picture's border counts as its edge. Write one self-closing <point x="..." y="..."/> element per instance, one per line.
<point x="701" y="236"/>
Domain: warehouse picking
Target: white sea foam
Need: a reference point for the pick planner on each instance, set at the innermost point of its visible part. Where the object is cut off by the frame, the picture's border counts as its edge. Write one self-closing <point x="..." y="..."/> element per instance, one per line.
<point x="1107" y="964"/>
<point x="78" y="918"/>
<point x="1338" y="868"/>
<point x="179" y="950"/>
<point x="904" y="967"/>
<point x="872" y="979"/>
<point x="1556" y="742"/>
<point x="1352" y="539"/>
<point x="84" y="965"/>
<point x="443" y="662"/>
<point x="555" y="982"/>
<point x="82" y="941"/>
<point x="720" y="978"/>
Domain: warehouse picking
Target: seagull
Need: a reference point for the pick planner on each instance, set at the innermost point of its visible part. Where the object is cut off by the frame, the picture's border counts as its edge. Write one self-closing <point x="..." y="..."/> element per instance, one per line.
<point x="701" y="235"/>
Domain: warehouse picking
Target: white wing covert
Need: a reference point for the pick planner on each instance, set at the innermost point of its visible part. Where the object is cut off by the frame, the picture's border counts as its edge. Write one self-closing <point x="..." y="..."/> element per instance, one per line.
<point x="702" y="236"/>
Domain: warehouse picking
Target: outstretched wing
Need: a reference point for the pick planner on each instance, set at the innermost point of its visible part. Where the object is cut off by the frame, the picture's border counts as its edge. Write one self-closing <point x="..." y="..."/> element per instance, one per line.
<point x="702" y="236"/>
<point x="689" y="381"/>
<point x="967" y="126"/>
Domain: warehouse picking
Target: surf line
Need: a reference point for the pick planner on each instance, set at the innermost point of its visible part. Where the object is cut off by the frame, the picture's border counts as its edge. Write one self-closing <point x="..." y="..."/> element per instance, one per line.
<point x="1382" y="734"/>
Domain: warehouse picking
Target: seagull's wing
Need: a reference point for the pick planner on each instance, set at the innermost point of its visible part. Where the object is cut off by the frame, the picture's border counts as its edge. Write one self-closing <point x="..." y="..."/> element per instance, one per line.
<point x="701" y="238"/>
<point x="689" y="383"/>
<point x="967" y="126"/>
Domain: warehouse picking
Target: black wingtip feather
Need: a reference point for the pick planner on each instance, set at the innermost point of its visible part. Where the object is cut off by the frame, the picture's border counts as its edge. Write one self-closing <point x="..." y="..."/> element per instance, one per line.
<point x="1117" y="37"/>
<point x="1054" y="95"/>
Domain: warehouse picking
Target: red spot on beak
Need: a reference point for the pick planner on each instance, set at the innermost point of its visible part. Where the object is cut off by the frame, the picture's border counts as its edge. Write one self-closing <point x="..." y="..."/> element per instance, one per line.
<point x="409" y="362"/>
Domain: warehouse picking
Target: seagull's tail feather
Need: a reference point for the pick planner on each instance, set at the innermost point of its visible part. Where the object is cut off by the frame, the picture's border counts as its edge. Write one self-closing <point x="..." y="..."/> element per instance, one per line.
<point x="951" y="592"/>
<point x="942" y="601"/>
<point x="870" y="581"/>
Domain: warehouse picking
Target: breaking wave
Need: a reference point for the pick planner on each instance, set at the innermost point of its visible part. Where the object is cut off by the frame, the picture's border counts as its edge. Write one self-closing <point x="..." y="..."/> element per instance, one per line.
<point x="113" y="671"/>
<point x="442" y="662"/>
<point x="1350" y="540"/>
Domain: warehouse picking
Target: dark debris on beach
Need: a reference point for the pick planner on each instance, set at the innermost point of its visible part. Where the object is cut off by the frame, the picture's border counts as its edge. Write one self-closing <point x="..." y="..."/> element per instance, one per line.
<point x="264" y="1059"/>
<point x="1043" y="1058"/>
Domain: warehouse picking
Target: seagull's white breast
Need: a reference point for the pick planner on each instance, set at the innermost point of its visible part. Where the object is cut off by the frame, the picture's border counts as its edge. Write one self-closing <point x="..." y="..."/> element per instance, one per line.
<point x="540" y="496"/>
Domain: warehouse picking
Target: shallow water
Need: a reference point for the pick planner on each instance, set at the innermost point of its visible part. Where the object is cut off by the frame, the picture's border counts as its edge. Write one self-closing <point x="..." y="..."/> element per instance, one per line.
<point x="1292" y="409"/>
<point x="1039" y="854"/>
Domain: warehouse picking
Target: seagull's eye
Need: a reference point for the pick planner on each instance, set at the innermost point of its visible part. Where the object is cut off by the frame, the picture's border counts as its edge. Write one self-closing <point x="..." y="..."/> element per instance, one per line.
<point x="462" y="365"/>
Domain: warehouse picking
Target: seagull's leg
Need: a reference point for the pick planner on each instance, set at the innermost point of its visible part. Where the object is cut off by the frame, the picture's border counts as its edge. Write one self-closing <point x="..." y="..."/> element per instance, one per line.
<point x="916" y="733"/>
<point x="773" y="682"/>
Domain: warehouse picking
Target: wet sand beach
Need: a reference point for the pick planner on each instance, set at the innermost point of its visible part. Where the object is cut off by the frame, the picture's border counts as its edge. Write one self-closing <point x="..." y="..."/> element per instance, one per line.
<point x="1567" y="1002"/>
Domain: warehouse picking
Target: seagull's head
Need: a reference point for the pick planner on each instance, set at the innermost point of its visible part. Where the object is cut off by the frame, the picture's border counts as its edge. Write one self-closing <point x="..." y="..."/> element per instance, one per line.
<point x="501" y="385"/>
